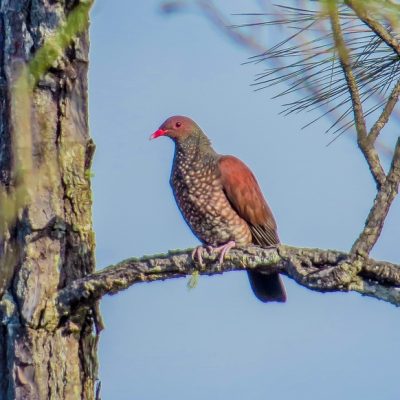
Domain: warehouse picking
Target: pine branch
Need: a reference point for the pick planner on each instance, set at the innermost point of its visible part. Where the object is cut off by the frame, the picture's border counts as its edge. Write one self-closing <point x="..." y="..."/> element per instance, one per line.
<point x="308" y="59"/>
<point x="316" y="269"/>
<point x="364" y="144"/>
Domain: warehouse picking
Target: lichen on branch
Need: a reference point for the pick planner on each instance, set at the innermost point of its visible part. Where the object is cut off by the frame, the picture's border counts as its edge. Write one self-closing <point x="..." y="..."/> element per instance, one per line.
<point x="316" y="269"/>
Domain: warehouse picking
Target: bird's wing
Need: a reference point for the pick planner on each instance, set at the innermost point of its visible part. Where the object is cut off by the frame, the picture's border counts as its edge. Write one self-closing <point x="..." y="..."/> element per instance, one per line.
<point x="244" y="194"/>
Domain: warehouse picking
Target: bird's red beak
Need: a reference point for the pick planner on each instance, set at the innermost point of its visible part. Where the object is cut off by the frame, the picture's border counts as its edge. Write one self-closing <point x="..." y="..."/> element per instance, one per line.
<point x="158" y="133"/>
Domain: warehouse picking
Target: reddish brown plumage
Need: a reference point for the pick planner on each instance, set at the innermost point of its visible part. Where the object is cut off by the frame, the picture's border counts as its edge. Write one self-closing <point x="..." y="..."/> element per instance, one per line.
<point x="242" y="190"/>
<point x="220" y="199"/>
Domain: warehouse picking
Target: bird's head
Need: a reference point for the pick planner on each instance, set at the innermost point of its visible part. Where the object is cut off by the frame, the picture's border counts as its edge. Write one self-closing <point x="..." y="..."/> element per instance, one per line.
<point x="178" y="128"/>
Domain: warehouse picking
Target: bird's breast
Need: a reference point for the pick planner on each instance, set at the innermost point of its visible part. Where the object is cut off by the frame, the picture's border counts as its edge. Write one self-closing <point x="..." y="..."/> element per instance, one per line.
<point x="200" y="197"/>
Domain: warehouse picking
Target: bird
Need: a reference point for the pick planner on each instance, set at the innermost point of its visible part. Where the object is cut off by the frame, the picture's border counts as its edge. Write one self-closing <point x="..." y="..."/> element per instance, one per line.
<point x="221" y="201"/>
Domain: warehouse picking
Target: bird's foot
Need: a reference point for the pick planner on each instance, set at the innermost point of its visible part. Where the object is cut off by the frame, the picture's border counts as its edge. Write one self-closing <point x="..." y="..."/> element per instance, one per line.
<point x="223" y="250"/>
<point x="197" y="255"/>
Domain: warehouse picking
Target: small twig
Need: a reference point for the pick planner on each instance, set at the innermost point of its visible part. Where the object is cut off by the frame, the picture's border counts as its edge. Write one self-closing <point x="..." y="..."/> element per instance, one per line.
<point x="364" y="144"/>
<point x="386" y="112"/>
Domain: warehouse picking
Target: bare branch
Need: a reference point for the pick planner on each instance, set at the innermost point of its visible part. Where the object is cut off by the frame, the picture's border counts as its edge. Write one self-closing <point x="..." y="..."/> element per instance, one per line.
<point x="377" y="215"/>
<point x="362" y="12"/>
<point x="364" y="144"/>
<point x="385" y="115"/>
<point x="316" y="269"/>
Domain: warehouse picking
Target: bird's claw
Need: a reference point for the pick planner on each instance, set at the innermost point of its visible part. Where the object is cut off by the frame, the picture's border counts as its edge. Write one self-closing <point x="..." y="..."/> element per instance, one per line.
<point x="197" y="255"/>
<point x="224" y="250"/>
<point x="210" y="249"/>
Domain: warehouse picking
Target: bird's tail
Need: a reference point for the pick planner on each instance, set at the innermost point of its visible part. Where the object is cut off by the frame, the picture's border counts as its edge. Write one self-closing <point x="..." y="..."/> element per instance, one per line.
<point x="267" y="287"/>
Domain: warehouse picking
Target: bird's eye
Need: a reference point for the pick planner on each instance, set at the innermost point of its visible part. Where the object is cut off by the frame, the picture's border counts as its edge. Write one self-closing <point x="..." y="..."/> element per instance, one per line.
<point x="178" y="124"/>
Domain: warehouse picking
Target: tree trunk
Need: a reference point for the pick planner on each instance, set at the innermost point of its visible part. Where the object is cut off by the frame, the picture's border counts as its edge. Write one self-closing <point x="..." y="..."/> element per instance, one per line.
<point x="50" y="240"/>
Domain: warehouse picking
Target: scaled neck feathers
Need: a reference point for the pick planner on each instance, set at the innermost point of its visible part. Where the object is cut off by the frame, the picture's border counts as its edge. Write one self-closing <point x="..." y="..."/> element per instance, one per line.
<point x="195" y="145"/>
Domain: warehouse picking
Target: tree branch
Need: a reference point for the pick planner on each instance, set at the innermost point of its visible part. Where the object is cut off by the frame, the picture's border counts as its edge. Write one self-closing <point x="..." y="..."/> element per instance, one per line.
<point x="380" y="209"/>
<point x="364" y="143"/>
<point x="387" y="185"/>
<point x="316" y="269"/>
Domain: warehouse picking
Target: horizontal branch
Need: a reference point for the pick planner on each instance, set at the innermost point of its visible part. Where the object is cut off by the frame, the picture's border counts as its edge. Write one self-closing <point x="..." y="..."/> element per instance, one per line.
<point x="316" y="269"/>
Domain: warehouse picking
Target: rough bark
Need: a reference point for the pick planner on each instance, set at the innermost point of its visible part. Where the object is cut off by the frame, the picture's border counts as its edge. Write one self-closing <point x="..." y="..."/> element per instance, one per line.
<point x="51" y="242"/>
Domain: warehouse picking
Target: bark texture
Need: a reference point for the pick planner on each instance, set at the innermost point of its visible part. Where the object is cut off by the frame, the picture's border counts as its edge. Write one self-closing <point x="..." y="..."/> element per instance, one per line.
<point x="50" y="243"/>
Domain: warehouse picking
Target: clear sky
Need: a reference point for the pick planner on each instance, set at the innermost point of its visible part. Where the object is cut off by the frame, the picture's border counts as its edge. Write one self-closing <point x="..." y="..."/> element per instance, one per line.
<point x="163" y="341"/>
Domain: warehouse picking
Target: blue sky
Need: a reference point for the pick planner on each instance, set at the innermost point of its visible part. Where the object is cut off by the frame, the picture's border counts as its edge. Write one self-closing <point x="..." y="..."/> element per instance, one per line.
<point x="163" y="341"/>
